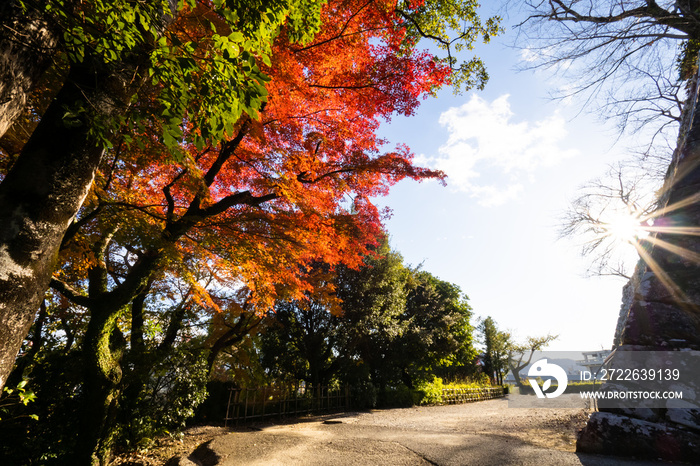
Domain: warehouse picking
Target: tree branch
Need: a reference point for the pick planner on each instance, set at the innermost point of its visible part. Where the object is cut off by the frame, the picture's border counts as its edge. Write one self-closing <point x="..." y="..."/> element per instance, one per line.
<point x="170" y="212"/>
<point x="227" y="150"/>
<point x="70" y="293"/>
<point x="239" y="198"/>
<point x="76" y="225"/>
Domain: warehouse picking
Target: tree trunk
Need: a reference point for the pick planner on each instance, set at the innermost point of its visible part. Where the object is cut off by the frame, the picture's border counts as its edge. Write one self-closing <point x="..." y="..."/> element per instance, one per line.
<point x="27" y="46"/>
<point x="37" y="340"/>
<point x="102" y="351"/>
<point x="137" y="309"/>
<point x="103" y="348"/>
<point x="48" y="183"/>
<point x="38" y="199"/>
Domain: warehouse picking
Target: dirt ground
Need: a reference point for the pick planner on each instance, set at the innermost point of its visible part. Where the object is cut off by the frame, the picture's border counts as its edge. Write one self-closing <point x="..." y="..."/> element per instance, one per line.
<point x="166" y="447"/>
<point x="552" y="429"/>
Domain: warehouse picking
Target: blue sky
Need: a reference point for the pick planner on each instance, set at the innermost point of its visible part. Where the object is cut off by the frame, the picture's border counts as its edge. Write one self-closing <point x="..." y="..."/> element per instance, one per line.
<point x="514" y="160"/>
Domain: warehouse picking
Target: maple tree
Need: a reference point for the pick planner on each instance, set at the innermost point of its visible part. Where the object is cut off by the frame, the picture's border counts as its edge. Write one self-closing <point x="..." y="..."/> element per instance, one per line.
<point x="109" y="51"/>
<point x="192" y="199"/>
<point x="110" y="55"/>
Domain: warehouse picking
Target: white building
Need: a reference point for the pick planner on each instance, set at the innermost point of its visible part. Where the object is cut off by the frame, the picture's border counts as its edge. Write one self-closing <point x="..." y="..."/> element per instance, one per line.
<point x="593" y="360"/>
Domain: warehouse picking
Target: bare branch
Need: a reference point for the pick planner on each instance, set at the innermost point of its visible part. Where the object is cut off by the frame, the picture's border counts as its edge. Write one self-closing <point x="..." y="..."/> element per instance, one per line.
<point x="625" y="51"/>
<point x="625" y="194"/>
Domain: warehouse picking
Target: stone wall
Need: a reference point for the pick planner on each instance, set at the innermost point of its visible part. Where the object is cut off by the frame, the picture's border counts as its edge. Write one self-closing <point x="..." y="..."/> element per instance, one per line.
<point x="628" y="292"/>
<point x="661" y="312"/>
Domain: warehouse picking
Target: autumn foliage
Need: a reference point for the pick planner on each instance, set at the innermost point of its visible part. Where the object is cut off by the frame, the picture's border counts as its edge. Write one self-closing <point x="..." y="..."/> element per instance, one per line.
<point x="201" y="217"/>
<point x="292" y="187"/>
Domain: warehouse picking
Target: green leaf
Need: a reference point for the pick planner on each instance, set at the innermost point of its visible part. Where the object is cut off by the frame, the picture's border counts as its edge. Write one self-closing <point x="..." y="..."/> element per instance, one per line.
<point x="168" y="139"/>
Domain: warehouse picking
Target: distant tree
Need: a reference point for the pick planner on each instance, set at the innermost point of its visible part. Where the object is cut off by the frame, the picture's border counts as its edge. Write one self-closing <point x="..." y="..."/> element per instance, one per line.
<point x="391" y="325"/>
<point x="301" y="336"/>
<point x="373" y="299"/>
<point x="495" y="349"/>
<point x="438" y="334"/>
<point x="518" y="352"/>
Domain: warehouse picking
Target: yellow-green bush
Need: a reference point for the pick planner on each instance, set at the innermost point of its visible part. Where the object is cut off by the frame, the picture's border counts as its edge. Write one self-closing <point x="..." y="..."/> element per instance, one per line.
<point x="432" y="391"/>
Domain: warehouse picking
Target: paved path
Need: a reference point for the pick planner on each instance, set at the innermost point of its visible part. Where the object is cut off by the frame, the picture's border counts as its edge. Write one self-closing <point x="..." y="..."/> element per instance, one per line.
<point x="485" y="433"/>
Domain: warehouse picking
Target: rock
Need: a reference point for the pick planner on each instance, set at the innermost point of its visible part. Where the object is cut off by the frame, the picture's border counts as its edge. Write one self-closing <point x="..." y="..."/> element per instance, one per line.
<point x="609" y="433"/>
<point x="655" y="323"/>
<point x="684" y="413"/>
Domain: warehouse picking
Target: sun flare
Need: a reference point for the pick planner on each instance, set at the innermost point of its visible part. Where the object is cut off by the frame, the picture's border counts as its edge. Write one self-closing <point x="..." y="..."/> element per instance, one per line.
<point x="626" y="227"/>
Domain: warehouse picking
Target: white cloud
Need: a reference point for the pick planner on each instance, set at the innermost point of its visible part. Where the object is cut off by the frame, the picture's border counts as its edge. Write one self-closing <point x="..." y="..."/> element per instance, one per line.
<point x="529" y="55"/>
<point x="489" y="156"/>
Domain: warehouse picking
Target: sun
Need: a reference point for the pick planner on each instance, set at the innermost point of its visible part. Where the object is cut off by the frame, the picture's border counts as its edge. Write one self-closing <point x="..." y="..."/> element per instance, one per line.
<point x="626" y="227"/>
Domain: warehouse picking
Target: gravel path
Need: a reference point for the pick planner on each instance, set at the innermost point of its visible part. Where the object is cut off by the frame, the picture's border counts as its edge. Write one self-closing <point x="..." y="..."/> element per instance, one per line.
<point x="484" y="433"/>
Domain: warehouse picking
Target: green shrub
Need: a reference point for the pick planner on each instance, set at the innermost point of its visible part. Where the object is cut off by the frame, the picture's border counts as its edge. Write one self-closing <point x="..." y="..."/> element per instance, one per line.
<point x="363" y="395"/>
<point x="43" y="432"/>
<point x="165" y="397"/>
<point x="397" y="397"/>
<point x="432" y="391"/>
